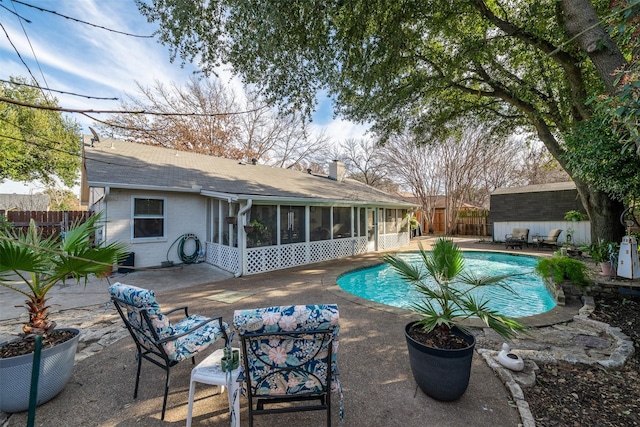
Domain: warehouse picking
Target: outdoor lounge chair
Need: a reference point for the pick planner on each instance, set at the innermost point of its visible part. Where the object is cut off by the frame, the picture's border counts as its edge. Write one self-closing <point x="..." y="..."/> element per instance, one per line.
<point x="158" y="340"/>
<point x="518" y="237"/>
<point x="550" y="241"/>
<point x="289" y="356"/>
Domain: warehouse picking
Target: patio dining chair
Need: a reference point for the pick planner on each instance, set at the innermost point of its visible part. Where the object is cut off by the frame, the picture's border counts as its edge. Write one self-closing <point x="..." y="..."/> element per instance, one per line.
<point x="159" y="341"/>
<point x="289" y="358"/>
<point x="551" y="240"/>
<point x="518" y="237"/>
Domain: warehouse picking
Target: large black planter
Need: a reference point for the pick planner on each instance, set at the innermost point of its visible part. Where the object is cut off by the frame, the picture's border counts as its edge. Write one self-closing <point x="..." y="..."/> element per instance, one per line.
<point x="441" y="374"/>
<point x="56" y="367"/>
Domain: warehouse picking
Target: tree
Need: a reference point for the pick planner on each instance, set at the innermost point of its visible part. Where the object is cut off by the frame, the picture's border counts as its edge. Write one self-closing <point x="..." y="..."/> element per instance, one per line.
<point x="364" y="161"/>
<point x="222" y="124"/>
<point x="211" y="130"/>
<point x="36" y="144"/>
<point x="419" y="66"/>
<point x="460" y="168"/>
<point x="62" y="199"/>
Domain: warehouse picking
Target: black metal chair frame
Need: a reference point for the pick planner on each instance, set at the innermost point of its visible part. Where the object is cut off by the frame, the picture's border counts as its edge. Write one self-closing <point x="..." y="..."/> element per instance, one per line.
<point x="324" y="396"/>
<point x="156" y="353"/>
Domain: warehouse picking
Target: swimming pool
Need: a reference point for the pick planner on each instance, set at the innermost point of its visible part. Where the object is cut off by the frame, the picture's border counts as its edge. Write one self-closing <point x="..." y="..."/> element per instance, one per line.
<point x="529" y="297"/>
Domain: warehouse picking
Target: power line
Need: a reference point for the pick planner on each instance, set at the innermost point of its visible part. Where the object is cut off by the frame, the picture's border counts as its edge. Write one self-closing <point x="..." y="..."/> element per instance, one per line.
<point x="152" y="113"/>
<point x="17" y="52"/>
<point x="24" y="30"/>
<point x="58" y="91"/>
<point x="81" y="21"/>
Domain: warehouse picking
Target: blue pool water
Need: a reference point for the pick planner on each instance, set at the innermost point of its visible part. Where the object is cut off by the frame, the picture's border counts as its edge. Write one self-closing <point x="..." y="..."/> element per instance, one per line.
<point x="382" y="284"/>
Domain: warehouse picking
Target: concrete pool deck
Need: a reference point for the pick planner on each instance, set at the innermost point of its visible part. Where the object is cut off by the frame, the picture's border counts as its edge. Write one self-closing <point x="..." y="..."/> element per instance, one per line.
<point x="374" y="370"/>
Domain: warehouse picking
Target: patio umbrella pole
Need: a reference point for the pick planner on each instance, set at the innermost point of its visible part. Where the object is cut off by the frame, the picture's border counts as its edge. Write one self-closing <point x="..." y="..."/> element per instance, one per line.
<point x="35" y="373"/>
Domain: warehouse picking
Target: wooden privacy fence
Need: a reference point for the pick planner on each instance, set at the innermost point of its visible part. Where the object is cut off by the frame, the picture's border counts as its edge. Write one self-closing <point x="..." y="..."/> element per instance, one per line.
<point x="50" y="222"/>
<point x="473" y="223"/>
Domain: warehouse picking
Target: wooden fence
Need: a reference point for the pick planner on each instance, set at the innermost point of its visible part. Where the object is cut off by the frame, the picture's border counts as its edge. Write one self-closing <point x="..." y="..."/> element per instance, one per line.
<point x="50" y="222"/>
<point x="474" y="223"/>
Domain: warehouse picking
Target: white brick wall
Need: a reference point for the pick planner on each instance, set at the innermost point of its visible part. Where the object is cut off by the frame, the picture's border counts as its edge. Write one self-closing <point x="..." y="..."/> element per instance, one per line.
<point x="184" y="214"/>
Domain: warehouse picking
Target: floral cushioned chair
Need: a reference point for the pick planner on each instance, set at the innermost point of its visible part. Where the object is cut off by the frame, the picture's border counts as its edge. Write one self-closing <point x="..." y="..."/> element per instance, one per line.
<point x="157" y="339"/>
<point x="289" y="355"/>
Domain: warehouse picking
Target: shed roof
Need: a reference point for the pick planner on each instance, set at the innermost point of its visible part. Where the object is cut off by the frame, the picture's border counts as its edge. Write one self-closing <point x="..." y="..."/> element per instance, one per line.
<point x="537" y="188"/>
<point x="118" y="164"/>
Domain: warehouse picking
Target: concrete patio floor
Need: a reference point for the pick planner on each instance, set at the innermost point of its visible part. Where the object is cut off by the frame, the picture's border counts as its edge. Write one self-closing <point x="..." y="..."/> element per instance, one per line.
<point x="379" y="389"/>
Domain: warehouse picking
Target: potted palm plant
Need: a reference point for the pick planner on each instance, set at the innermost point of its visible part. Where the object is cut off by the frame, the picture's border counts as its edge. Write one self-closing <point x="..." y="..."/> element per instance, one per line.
<point x="32" y="265"/>
<point x="440" y="346"/>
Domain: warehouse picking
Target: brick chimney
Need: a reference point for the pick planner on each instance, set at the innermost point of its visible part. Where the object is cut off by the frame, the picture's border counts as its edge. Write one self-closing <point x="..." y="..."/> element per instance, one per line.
<point x="337" y="170"/>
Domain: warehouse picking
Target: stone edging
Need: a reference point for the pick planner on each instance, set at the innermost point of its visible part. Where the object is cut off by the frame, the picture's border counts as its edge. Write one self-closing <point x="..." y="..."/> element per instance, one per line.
<point x="624" y="349"/>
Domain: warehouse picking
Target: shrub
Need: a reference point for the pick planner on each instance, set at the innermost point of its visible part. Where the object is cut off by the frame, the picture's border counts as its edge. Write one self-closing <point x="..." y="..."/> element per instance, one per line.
<point x="562" y="268"/>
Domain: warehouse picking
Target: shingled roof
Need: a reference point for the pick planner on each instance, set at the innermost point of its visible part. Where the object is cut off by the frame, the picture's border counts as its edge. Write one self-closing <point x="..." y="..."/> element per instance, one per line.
<point x="118" y="164"/>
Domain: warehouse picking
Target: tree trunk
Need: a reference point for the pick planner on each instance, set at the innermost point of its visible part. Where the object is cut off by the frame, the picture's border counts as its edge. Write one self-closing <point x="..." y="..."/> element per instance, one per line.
<point x="604" y="214"/>
<point x="603" y="211"/>
<point x="581" y="22"/>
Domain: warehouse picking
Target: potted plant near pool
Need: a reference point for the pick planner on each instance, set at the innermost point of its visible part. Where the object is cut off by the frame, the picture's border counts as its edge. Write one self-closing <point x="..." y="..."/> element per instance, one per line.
<point x="440" y="346"/>
<point x="32" y="265"/>
<point x="605" y="254"/>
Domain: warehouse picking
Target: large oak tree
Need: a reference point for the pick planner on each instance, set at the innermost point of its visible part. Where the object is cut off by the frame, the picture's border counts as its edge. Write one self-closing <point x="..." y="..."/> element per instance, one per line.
<point x="416" y="65"/>
<point x="36" y="144"/>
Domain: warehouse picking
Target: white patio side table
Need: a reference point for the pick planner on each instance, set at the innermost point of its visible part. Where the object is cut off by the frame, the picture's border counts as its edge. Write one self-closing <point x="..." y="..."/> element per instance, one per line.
<point x="209" y="371"/>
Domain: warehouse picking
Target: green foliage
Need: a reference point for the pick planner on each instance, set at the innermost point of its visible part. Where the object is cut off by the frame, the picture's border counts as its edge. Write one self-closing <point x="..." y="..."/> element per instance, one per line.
<point x="36" y="144"/>
<point x="622" y="110"/>
<point x="444" y="306"/>
<point x="602" y="251"/>
<point x="575" y="216"/>
<point x="40" y="263"/>
<point x="562" y="268"/>
<point x="594" y="155"/>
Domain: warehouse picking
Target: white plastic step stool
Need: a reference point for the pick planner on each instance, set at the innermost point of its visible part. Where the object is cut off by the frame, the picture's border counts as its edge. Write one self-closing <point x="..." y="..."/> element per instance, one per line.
<point x="209" y="371"/>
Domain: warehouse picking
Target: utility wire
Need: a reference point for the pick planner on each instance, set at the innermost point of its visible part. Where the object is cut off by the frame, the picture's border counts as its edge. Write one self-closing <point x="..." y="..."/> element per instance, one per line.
<point x="15" y="13"/>
<point x="152" y="113"/>
<point x="33" y="52"/>
<point x="17" y="52"/>
<point x="58" y="91"/>
<point x="81" y="21"/>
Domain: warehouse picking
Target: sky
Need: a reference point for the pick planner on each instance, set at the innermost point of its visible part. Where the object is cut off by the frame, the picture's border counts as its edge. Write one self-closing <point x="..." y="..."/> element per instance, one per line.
<point x="70" y="56"/>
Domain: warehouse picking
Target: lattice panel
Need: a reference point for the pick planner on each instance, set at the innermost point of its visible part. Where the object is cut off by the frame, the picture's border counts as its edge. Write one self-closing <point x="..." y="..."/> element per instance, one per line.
<point x="361" y="245"/>
<point x="315" y="252"/>
<point x="262" y="259"/>
<point x="223" y="256"/>
<point x="390" y="241"/>
<point x="343" y="248"/>
<point x="212" y="253"/>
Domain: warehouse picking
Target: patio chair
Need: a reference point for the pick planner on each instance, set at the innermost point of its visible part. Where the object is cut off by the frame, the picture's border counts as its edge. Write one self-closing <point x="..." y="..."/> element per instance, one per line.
<point x="289" y="358"/>
<point x="159" y="341"/>
<point x="550" y="241"/>
<point x="518" y="237"/>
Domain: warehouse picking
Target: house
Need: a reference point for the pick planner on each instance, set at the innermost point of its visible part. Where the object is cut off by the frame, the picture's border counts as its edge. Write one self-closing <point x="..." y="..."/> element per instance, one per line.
<point x="540" y="208"/>
<point x="243" y="217"/>
<point x="24" y="202"/>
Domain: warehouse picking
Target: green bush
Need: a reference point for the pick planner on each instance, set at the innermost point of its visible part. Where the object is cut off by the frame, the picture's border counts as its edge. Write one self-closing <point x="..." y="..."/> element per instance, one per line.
<point x="562" y="268"/>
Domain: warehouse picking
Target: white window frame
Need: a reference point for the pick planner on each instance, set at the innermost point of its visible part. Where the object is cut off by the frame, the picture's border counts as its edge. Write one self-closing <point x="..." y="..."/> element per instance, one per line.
<point x="148" y="216"/>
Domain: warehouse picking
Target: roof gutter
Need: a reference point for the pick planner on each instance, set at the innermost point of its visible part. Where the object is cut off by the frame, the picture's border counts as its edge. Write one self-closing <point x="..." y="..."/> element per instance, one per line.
<point x="193" y="189"/>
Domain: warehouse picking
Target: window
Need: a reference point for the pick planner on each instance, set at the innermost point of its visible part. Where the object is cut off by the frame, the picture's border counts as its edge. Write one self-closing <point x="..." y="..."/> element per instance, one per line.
<point x="148" y="218"/>
<point x="320" y="219"/>
<point x="262" y="230"/>
<point x="292" y="224"/>
<point x="341" y="223"/>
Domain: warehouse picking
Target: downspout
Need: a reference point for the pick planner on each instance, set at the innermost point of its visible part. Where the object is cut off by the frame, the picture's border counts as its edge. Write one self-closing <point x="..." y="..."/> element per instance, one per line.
<point x="243" y="237"/>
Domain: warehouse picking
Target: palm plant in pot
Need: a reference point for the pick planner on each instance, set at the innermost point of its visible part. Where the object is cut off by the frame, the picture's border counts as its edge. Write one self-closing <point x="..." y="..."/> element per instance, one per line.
<point x="32" y="265"/>
<point x="440" y="346"/>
